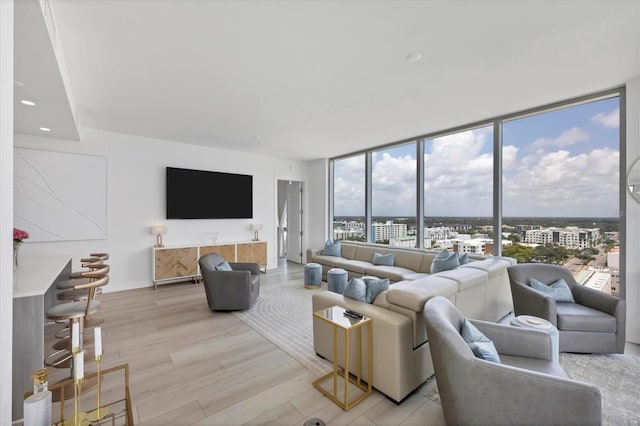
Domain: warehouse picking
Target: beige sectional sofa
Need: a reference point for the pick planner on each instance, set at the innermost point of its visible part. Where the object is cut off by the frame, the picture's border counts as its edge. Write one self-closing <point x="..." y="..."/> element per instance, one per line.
<point x="401" y="357"/>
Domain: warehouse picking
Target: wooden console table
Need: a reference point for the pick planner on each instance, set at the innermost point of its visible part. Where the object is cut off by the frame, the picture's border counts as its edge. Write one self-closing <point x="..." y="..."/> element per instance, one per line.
<point x="34" y="293"/>
<point x="180" y="263"/>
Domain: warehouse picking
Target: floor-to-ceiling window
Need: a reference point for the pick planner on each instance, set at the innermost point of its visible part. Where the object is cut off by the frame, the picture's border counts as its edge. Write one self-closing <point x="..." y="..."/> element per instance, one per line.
<point x="458" y="191"/>
<point x="561" y="190"/>
<point x="549" y="179"/>
<point x="393" y="196"/>
<point x="349" y="195"/>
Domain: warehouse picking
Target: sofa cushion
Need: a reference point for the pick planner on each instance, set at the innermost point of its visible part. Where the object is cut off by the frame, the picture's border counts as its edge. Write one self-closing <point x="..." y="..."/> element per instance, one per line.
<point x="444" y="261"/>
<point x="357" y="266"/>
<point x="365" y="253"/>
<point x="575" y="317"/>
<point x="493" y="266"/>
<point x="559" y="290"/>
<point x="408" y="259"/>
<point x="394" y="273"/>
<point x="383" y="259"/>
<point x="331" y="248"/>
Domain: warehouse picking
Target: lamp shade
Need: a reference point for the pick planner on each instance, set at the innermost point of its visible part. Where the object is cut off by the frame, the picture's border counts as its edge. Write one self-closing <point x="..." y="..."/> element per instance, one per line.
<point x="158" y="230"/>
<point x="256" y="227"/>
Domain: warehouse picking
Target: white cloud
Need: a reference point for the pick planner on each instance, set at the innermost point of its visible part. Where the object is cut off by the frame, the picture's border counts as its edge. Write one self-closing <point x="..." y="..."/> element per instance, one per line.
<point x="610" y="119"/>
<point x="558" y="184"/>
<point x="567" y="138"/>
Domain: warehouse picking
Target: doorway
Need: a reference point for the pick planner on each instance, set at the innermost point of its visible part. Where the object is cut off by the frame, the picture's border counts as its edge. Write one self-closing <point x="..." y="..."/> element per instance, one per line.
<point x="290" y="220"/>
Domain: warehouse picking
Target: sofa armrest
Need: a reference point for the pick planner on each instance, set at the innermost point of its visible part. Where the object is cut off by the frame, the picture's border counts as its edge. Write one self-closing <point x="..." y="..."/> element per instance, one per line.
<point x="254" y="268"/>
<point x="415" y="294"/>
<point x="517" y="341"/>
<point x="527" y="301"/>
<point x="547" y="399"/>
<point x="596" y="299"/>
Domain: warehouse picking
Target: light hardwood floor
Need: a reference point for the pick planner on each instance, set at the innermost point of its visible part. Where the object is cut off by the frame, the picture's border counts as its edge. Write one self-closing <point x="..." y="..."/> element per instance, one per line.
<point x="189" y="365"/>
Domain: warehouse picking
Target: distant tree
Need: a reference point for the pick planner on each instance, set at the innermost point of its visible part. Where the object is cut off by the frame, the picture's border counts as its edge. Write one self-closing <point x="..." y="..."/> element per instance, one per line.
<point x="523" y="254"/>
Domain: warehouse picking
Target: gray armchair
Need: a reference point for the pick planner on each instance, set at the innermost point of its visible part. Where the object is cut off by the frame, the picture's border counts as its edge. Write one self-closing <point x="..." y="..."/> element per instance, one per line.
<point x="229" y="290"/>
<point x="527" y="387"/>
<point x="594" y="324"/>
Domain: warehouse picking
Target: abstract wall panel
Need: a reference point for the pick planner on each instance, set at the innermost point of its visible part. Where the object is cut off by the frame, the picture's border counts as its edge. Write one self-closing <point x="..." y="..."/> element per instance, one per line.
<point x="60" y="196"/>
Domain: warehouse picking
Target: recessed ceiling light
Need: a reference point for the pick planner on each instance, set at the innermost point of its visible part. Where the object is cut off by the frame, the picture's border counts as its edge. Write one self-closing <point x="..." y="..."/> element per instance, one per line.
<point x="45" y="129"/>
<point x="26" y="102"/>
<point x="414" y="57"/>
<point x="257" y="137"/>
<point x="18" y="83"/>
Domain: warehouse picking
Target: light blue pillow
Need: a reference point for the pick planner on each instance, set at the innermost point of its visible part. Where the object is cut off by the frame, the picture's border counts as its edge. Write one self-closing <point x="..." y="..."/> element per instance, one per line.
<point x="224" y="266"/>
<point x="331" y="248"/>
<point x="559" y="290"/>
<point x="479" y="344"/>
<point x="444" y="261"/>
<point x="356" y="289"/>
<point x="463" y="258"/>
<point x="374" y="286"/>
<point x="384" y="259"/>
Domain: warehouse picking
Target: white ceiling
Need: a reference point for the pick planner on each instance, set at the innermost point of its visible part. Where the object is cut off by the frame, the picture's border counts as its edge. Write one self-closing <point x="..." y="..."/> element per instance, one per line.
<point x="317" y="79"/>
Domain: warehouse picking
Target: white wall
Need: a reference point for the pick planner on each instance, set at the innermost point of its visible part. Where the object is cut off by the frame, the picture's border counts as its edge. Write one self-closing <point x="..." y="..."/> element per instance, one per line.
<point x="6" y="207"/>
<point x="136" y="193"/>
<point x="317" y="209"/>
<point x="632" y="256"/>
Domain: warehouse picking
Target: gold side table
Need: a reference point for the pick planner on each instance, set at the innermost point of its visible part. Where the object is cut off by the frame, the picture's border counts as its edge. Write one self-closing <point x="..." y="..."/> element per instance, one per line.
<point x="335" y="316"/>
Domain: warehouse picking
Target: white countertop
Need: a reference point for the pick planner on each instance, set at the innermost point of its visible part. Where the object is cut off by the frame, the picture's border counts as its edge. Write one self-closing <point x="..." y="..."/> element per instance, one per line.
<point x="35" y="274"/>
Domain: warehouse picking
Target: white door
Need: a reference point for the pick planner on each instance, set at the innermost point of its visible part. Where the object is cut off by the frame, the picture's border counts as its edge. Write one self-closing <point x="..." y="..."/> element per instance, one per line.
<point x="294" y="222"/>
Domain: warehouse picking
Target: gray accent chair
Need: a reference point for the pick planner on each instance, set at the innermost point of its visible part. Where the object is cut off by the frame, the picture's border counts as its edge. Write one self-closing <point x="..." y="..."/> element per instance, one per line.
<point x="229" y="290"/>
<point x="594" y="324"/>
<point x="527" y="387"/>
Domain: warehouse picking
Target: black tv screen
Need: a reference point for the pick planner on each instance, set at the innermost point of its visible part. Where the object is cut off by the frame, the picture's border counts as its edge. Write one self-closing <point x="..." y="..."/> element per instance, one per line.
<point x="199" y="194"/>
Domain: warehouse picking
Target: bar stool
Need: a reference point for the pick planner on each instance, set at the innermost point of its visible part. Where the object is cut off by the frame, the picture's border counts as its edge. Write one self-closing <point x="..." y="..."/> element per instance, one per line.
<point x="75" y="312"/>
<point x="83" y="292"/>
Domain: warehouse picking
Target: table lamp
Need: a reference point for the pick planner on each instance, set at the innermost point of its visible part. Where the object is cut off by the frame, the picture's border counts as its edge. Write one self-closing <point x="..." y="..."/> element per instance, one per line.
<point x="158" y="230"/>
<point x="255" y="227"/>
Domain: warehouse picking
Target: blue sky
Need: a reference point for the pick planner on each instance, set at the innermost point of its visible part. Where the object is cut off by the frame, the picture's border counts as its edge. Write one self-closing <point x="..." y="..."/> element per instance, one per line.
<point x="557" y="164"/>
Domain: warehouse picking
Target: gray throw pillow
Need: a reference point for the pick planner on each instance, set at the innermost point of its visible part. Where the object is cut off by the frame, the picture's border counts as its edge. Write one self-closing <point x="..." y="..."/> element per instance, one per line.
<point x="365" y="289"/>
<point x="331" y="248"/>
<point x="224" y="266"/>
<point x="445" y="261"/>
<point x="375" y="286"/>
<point x="356" y="289"/>
<point x="559" y="290"/>
<point x="479" y="344"/>
<point x="463" y="258"/>
<point x="384" y="259"/>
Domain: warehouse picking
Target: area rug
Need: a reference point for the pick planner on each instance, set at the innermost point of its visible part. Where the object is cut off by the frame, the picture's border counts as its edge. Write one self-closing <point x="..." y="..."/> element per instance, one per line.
<point x="618" y="378"/>
<point x="283" y="315"/>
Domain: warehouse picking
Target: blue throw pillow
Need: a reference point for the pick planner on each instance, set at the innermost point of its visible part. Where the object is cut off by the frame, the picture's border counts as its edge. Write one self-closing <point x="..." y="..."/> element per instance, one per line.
<point x="444" y="261"/>
<point x="356" y="289"/>
<point x="479" y="344"/>
<point x="224" y="266"/>
<point x="331" y="248"/>
<point x="374" y="286"/>
<point x="559" y="290"/>
<point x="463" y="258"/>
<point x="384" y="259"/>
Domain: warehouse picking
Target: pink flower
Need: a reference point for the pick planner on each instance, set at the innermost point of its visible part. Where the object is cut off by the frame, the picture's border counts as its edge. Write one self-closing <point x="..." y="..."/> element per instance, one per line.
<point x="19" y="235"/>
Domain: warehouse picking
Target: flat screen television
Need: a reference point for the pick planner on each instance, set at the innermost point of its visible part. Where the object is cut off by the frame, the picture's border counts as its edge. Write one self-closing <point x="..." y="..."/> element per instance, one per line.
<point x="200" y="194"/>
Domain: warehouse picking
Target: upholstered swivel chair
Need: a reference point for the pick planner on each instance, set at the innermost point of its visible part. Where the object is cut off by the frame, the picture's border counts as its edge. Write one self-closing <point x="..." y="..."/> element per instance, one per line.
<point x="526" y="387"/>
<point x="595" y="323"/>
<point x="229" y="290"/>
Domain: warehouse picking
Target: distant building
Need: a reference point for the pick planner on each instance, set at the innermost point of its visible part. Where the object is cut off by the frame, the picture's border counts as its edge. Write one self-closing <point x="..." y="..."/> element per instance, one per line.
<point x="569" y="237"/>
<point x="388" y="231"/>
<point x="613" y="258"/>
